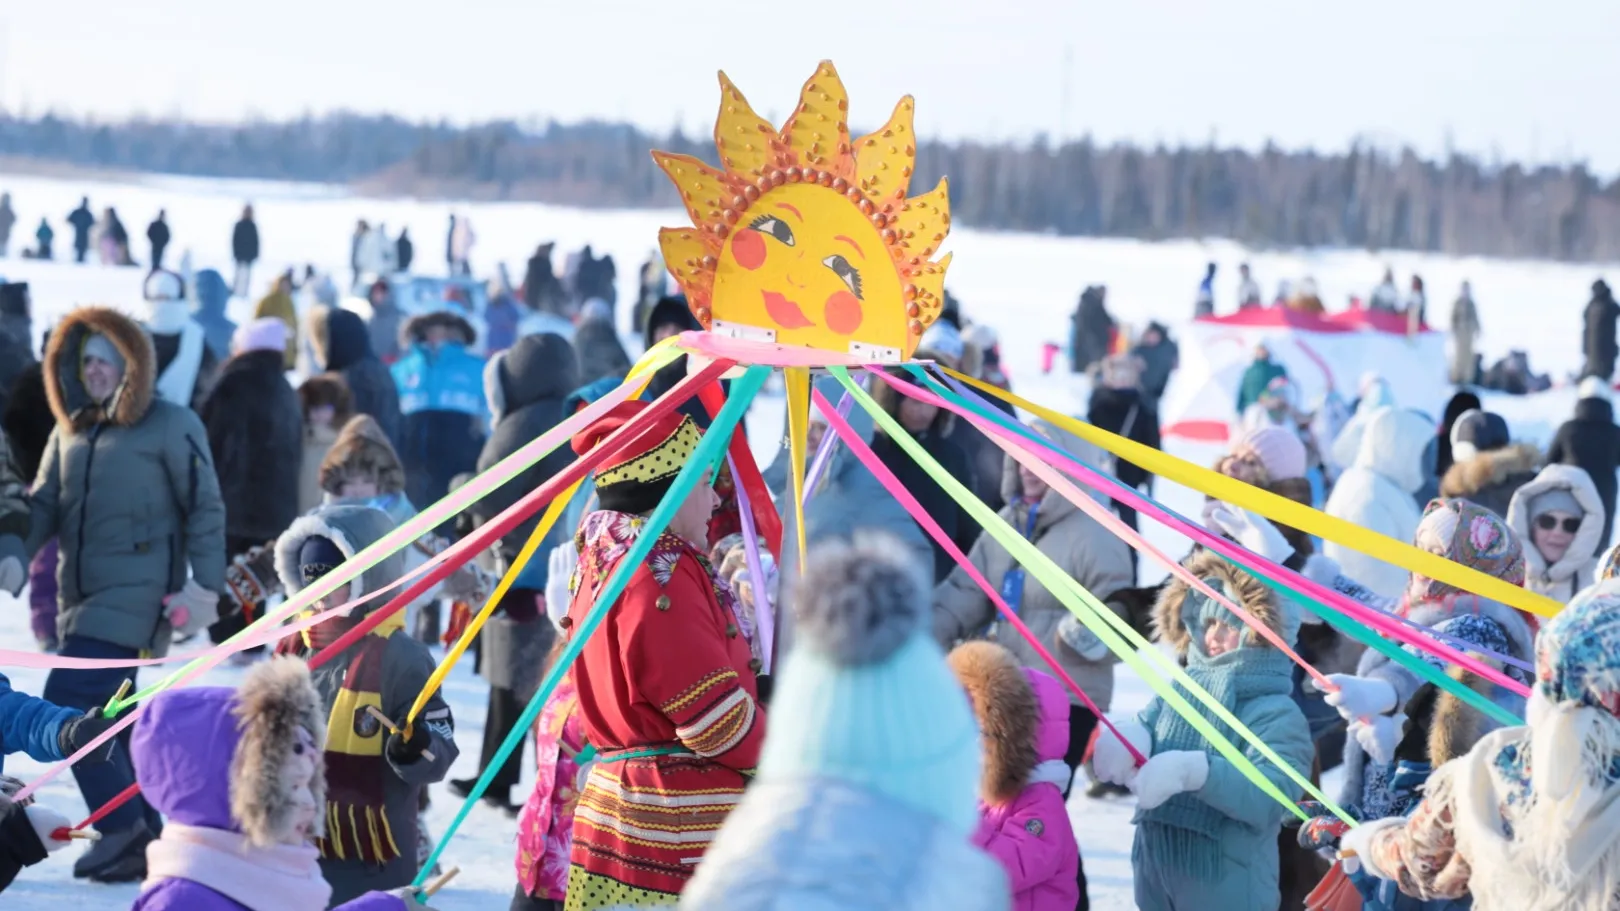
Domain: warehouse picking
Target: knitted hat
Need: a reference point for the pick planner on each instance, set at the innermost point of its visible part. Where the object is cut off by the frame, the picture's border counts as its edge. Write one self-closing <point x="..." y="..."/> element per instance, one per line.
<point x="1472" y="535"/>
<point x="943" y="340"/>
<point x="635" y="479"/>
<point x="267" y="333"/>
<point x="101" y="348"/>
<point x="1477" y="431"/>
<point x="866" y="697"/>
<point x="317" y="556"/>
<point x="1282" y="453"/>
<point x="1559" y="499"/>
<point x="1594" y="388"/>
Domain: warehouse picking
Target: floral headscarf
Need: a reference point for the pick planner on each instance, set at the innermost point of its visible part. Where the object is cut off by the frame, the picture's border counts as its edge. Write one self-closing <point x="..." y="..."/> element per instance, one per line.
<point x="1473" y="536"/>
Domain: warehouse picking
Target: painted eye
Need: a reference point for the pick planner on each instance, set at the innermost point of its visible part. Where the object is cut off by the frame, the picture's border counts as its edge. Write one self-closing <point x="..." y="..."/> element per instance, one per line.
<point x="775" y="227"/>
<point x="845" y="271"/>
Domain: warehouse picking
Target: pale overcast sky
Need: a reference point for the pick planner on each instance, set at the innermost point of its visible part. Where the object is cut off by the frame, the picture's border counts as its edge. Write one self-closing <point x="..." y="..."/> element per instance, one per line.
<point x="1532" y="80"/>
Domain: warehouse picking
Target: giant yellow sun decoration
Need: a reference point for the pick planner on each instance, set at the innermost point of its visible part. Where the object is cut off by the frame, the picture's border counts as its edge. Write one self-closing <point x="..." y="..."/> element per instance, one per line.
<point x="806" y="238"/>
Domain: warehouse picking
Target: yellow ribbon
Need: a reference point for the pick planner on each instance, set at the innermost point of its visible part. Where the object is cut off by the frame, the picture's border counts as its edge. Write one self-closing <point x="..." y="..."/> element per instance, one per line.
<point x="798" y="405"/>
<point x="1284" y="511"/>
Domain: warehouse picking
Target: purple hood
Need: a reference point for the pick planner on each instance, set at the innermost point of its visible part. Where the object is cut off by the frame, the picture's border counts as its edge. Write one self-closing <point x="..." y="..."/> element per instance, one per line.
<point x="183" y="745"/>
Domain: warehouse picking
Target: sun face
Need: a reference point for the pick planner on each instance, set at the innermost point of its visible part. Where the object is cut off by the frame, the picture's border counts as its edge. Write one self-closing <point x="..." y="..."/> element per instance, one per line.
<point x="806" y="238"/>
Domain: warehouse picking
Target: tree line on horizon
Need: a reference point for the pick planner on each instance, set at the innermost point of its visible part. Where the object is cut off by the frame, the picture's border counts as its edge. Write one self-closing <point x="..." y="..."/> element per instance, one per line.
<point x="1364" y="197"/>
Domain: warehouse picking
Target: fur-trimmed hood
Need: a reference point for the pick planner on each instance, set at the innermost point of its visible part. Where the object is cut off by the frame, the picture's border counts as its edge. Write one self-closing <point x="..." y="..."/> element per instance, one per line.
<point x="1054" y="505"/>
<point x="1489" y="469"/>
<point x="327" y="389"/>
<point x="1441" y="727"/>
<point x="1578" y="561"/>
<point x="352" y="529"/>
<point x="64" y="383"/>
<point x="362" y="450"/>
<point x="1009" y="716"/>
<point x="1172" y="620"/>
<point x="414" y="330"/>
<point x="215" y="758"/>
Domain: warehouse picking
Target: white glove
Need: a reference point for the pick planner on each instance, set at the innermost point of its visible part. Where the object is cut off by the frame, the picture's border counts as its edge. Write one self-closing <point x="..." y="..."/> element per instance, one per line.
<point x="1078" y="638"/>
<point x="1380" y="736"/>
<point x="45" y="821"/>
<point x="191" y="609"/>
<point x="1169" y="774"/>
<point x="1361" y="697"/>
<point x="13" y="576"/>
<point x="1254" y="532"/>
<point x="559" y="570"/>
<point x="1110" y="760"/>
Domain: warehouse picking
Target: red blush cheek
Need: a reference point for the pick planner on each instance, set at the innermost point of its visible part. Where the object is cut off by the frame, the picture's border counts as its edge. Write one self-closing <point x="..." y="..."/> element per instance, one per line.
<point x="748" y="249"/>
<point x="843" y="313"/>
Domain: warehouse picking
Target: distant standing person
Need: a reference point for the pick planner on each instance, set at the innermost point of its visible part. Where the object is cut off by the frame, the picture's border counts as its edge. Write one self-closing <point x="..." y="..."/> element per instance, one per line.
<point x="245" y="248"/>
<point x="1417" y="305"/>
<point x="450" y="247"/>
<point x="43" y="236"/>
<point x="1261" y="371"/>
<point x="8" y="218"/>
<point x="1160" y="358"/>
<point x="461" y="244"/>
<point x="1597" y="338"/>
<point x="1248" y="290"/>
<point x="1465" y="331"/>
<point x="1205" y="305"/>
<point x="1591" y="441"/>
<point x="82" y="221"/>
<point x="357" y="243"/>
<point x="404" y="250"/>
<point x="1385" y="297"/>
<point x="158" y="234"/>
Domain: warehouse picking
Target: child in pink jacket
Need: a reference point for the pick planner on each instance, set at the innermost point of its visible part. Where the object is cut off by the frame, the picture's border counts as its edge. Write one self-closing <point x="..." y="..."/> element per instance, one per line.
<point x="1024" y="720"/>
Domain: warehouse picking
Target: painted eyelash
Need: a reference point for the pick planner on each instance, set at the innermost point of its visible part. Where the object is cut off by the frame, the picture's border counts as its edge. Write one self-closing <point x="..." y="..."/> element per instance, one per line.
<point x="785" y="235"/>
<point x="843" y="269"/>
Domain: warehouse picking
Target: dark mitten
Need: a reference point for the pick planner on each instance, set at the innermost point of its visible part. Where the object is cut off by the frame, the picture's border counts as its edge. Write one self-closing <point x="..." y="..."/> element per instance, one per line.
<point x="403" y="751"/>
<point x="1322" y="832"/>
<point x="78" y="732"/>
<point x="251" y="579"/>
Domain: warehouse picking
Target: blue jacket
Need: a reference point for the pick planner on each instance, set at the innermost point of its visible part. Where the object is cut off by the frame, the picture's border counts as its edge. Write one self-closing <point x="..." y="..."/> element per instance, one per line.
<point x="29" y="724"/>
<point x="449" y="379"/>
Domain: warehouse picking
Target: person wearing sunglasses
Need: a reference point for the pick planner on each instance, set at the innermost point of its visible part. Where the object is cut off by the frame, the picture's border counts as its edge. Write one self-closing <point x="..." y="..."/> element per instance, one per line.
<point x="1561" y="515"/>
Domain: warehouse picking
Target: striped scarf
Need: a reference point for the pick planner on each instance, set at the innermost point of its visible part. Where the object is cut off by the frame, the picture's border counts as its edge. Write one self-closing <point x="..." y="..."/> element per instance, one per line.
<point x="356" y="825"/>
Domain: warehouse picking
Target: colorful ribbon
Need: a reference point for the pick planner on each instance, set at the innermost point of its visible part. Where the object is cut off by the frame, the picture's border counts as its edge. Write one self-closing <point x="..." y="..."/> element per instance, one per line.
<point x="1284" y="511"/>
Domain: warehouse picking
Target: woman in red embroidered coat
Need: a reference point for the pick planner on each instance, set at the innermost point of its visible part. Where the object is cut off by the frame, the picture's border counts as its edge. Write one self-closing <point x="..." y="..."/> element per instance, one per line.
<point x="666" y="684"/>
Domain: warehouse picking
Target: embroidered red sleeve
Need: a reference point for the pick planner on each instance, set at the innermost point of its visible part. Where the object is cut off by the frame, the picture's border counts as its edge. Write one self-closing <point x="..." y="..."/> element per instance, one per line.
<point x="680" y="657"/>
<point x="1422" y="854"/>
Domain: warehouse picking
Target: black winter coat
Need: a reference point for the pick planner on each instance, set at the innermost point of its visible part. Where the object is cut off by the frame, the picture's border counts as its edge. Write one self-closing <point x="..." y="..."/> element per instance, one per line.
<point x="1111" y="410"/>
<point x="348" y="352"/>
<point x="1592" y="442"/>
<point x="28" y="420"/>
<point x="1597" y="338"/>
<point x="404" y="252"/>
<point x="935" y="501"/>
<point x="168" y="346"/>
<point x="158" y="234"/>
<point x="245" y="242"/>
<point x="82" y="221"/>
<point x="525" y="385"/>
<point x="1159" y="362"/>
<point x="256" y="432"/>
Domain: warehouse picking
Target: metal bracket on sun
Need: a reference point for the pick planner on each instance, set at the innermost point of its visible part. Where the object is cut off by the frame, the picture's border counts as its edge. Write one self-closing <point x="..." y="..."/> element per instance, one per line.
<point x="874" y="354"/>
<point x="740" y="331"/>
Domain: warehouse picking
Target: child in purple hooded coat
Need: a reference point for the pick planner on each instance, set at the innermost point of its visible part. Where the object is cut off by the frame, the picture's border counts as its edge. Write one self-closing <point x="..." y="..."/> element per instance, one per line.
<point x="239" y="775"/>
<point x="1024" y="722"/>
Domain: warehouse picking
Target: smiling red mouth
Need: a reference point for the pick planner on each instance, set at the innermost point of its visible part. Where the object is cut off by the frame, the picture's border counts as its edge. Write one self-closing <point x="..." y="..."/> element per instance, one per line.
<point x="785" y="313"/>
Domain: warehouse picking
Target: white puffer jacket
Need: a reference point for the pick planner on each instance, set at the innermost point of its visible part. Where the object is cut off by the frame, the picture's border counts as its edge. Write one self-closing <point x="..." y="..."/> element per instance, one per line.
<point x="1376" y="494"/>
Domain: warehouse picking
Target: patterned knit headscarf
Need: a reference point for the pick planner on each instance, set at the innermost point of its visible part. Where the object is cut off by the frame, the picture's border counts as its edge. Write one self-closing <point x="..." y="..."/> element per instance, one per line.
<point x="1472" y="535"/>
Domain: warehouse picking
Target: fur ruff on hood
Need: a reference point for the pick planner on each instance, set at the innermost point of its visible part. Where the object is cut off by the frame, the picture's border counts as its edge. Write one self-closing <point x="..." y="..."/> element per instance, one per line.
<point x="1575" y="569"/>
<point x="362" y="450"/>
<point x="327" y="389"/>
<point x="1243" y="589"/>
<point x="1464" y="479"/>
<point x="64" y="384"/>
<point x="274" y="701"/>
<point x="414" y="330"/>
<point x="1005" y="704"/>
<point x="352" y="529"/>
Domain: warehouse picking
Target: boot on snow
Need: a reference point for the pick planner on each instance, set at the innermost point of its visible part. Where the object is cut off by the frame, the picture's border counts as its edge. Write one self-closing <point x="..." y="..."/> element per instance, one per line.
<point x="118" y="857"/>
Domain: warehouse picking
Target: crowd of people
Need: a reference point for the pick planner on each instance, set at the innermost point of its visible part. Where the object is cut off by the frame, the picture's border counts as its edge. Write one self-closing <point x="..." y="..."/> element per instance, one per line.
<point x="165" y="479"/>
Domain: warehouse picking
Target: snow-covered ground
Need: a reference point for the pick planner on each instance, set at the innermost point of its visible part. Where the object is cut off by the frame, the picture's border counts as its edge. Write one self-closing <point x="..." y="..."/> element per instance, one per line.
<point x="1024" y="285"/>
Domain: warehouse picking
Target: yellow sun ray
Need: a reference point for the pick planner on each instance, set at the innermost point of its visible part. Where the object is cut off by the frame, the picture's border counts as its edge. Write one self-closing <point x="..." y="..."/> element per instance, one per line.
<point x="884" y="159"/>
<point x="747" y="142"/>
<point x="818" y="132"/>
<point x="706" y="193"/>
<point x="923" y="221"/>
<point x="690" y="256"/>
